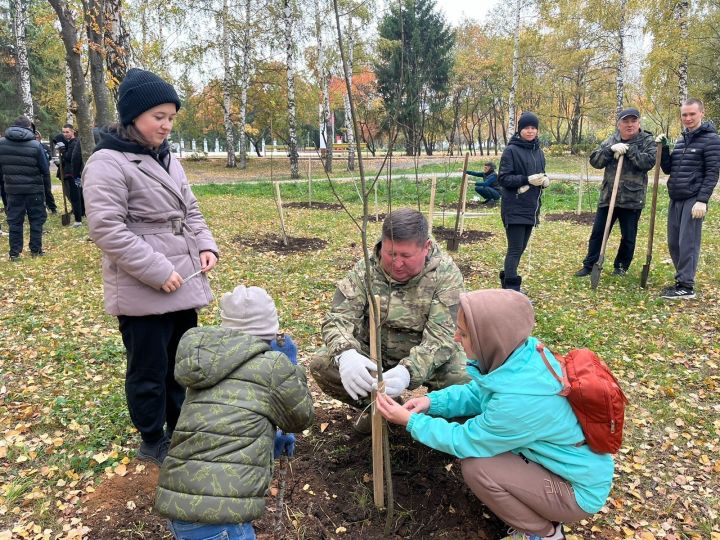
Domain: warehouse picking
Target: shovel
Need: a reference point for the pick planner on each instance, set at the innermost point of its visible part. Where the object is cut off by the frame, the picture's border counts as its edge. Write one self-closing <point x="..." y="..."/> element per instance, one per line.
<point x="454" y="243"/>
<point x="648" y="258"/>
<point x="597" y="267"/>
<point x="65" y="218"/>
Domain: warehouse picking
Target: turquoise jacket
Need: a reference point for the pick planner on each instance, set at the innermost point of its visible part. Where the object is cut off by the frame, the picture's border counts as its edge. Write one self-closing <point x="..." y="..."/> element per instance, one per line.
<point x="516" y="408"/>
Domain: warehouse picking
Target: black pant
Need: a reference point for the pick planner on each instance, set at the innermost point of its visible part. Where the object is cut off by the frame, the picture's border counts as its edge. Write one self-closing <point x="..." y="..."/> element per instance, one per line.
<point x="518" y="237"/>
<point x="629" y="219"/>
<point x="18" y="206"/>
<point x="74" y="193"/>
<point x="153" y="395"/>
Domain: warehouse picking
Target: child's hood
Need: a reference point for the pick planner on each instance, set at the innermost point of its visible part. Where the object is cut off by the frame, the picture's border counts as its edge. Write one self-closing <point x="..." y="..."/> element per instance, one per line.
<point x="207" y="355"/>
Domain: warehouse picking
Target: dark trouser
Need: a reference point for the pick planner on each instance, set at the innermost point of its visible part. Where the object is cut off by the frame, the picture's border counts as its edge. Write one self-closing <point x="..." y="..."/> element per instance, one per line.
<point x="74" y="193"/>
<point x="684" y="237"/>
<point x="629" y="219"/>
<point x="18" y="206"/>
<point x="522" y="493"/>
<point x="3" y="195"/>
<point x="518" y="237"/>
<point x="327" y="376"/>
<point x="488" y="193"/>
<point x="153" y="395"/>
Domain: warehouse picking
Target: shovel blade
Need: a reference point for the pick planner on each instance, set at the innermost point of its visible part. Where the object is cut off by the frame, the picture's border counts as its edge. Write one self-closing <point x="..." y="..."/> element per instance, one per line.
<point x="644" y="275"/>
<point x="595" y="275"/>
<point x="65" y="220"/>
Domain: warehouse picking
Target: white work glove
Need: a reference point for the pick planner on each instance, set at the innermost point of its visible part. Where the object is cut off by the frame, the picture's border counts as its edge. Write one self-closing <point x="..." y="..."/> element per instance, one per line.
<point x="396" y="380"/>
<point x="522" y="189"/>
<point x="536" y="179"/>
<point x="619" y="149"/>
<point x="662" y="139"/>
<point x="699" y="210"/>
<point x="546" y="182"/>
<point x="356" y="379"/>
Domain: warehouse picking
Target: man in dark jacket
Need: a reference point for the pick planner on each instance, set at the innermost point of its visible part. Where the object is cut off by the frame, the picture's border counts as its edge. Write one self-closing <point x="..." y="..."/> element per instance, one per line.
<point x="25" y="172"/>
<point x="638" y="147"/>
<point x="487" y="188"/>
<point x="71" y="182"/>
<point x="693" y="166"/>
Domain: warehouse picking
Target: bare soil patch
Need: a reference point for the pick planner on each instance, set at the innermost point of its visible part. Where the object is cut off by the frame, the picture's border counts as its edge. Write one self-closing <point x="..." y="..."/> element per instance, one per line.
<point x="314" y="206"/>
<point x="274" y="243"/>
<point x="468" y="236"/>
<point x="584" y="218"/>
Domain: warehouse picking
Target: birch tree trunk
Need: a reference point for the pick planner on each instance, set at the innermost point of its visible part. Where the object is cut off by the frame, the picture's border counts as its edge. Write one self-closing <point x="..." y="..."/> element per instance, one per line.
<point x="324" y="83"/>
<point x="19" y="20"/>
<point x="680" y="14"/>
<point x="620" y="76"/>
<point x="69" y="104"/>
<point x="348" y="109"/>
<point x="244" y="83"/>
<point x="68" y="32"/>
<point x="227" y="86"/>
<point x="95" y="28"/>
<point x="515" y="68"/>
<point x="292" y="113"/>
<point x="117" y="44"/>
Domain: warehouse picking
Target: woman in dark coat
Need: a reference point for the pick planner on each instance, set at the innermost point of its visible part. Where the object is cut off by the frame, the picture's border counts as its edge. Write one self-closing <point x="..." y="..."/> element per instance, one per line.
<point x="522" y="178"/>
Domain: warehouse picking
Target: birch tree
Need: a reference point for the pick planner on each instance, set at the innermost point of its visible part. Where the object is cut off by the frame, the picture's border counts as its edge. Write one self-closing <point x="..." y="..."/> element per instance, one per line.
<point x="323" y="77"/>
<point x="117" y="44"/>
<point x="19" y="22"/>
<point x="246" y="50"/>
<point x="94" y="14"/>
<point x="227" y="84"/>
<point x="288" y="18"/>
<point x="348" y="110"/>
<point x="620" y="77"/>
<point x="515" y="70"/>
<point x="681" y="11"/>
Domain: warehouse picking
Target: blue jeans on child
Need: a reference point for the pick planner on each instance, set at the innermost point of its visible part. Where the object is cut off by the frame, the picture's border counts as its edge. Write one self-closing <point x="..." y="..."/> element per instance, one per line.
<point x="182" y="530"/>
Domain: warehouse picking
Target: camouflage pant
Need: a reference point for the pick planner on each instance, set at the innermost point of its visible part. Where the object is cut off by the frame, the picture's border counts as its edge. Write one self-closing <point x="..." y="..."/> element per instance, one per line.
<point x="327" y="376"/>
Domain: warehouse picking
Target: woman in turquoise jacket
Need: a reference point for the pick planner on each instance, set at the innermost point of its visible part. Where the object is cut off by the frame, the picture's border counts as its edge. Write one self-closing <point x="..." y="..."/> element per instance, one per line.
<point x="522" y="450"/>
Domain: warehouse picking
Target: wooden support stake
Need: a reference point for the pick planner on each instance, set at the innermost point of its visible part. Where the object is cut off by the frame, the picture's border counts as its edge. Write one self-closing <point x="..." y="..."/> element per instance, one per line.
<point x="580" y="192"/>
<point x="309" y="182"/>
<point x="377" y="212"/>
<point x="463" y="195"/>
<point x="377" y="419"/>
<point x="433" y="188"/>
<point x="278" y="202"/>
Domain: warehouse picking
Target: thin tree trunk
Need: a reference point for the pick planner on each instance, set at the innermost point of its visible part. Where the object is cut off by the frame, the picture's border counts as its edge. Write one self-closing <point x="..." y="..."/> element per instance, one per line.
<point x="324" y="82"/>
<point x="19" y="19"/>
<point x="244" y="83"/>
<point x="348" y="109"/>
<point x="68" y="32"/>
<point x="292" y="113"/>
<point x="620" y="76"/>
<point x="515" y="69"/>
<point x="117" y="44"/>
<point x="69" y="103"/>
<point x="95" y="29"/>
<point x="680" y="14"/>
<point x="227" y="86"/>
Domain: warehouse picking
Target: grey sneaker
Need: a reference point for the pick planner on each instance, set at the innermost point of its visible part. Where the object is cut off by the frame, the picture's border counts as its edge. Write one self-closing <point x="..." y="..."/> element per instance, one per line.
<point x="154" y="452"/>
<point x="679" y="292"/>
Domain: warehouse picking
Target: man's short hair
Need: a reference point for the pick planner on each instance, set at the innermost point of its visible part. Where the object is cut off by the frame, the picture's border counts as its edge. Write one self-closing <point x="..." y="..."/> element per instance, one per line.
<point x="405" y="224"/>
<point x="69" y="126"/>
<point x="23" y="122"/>
<point x="490" y="164"/>
<point x="694" y="101"/>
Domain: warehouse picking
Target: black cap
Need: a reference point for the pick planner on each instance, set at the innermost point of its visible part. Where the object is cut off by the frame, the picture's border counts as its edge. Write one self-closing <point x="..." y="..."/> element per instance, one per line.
<point x="142" y="90"/>
<point x="528" y="119"/>
<point x="628" y="112"/>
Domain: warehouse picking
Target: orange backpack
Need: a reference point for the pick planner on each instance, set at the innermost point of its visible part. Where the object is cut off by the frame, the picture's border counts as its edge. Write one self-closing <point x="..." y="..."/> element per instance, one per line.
<point x="595" y="396"/>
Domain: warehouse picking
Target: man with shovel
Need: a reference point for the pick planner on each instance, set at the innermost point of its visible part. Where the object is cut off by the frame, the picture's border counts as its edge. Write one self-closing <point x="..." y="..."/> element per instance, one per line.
<point x="638" y="148"/>
<point x="419" y="288"/>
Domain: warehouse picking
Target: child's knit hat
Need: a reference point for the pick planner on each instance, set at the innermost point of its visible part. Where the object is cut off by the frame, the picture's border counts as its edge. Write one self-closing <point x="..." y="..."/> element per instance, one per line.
<point x="251" y="310"/>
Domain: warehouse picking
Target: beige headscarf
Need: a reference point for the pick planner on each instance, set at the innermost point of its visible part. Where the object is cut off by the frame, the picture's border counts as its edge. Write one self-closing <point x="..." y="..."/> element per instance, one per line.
<point x="498" y="321"/>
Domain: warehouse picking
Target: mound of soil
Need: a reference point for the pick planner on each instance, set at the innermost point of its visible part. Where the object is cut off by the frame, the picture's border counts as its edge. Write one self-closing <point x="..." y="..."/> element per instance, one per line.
<point x="274" y="243"/>
<point x="584" y="218"/>
<point x="469" y="205"/>
<point x="315" y="206"/>
<point x="467" y="237"/>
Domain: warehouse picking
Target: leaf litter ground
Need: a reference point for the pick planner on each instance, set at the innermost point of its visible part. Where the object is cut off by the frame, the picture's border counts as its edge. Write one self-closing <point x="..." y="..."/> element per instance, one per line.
<point x="67" y="448"/>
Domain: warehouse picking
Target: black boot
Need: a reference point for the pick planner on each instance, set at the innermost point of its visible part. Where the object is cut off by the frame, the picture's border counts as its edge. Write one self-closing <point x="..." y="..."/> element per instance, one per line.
<point x="513" y="283"/>
<point x="502" y="279"/>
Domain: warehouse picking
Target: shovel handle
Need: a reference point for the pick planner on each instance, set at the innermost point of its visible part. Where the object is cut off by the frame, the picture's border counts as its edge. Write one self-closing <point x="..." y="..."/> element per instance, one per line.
<point x="611" y="208"/>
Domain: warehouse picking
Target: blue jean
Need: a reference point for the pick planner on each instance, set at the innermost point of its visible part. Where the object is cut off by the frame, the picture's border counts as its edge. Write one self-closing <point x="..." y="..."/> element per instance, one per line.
<point x="488" y="193"/>
<point x="182" y="530"/>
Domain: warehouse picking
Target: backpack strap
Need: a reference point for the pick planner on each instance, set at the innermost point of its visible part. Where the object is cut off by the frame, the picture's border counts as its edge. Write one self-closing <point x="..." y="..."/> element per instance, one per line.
<point x="562" y="380"/>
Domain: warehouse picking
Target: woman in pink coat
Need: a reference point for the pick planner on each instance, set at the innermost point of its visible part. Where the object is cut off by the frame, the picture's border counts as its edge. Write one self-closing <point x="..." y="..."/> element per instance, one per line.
<point x="157" y="250"/>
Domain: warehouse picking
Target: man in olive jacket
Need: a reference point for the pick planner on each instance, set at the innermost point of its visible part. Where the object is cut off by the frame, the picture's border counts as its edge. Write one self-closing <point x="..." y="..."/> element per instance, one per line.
<point x="239" y="388"/>
<point x="638" y="147"/>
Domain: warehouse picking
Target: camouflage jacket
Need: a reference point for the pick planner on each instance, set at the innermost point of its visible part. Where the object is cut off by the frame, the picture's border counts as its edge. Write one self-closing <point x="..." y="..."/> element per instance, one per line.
<point x="220" y="460"/>
<point x="639" y="159"/>
<point x="418" y="317"/>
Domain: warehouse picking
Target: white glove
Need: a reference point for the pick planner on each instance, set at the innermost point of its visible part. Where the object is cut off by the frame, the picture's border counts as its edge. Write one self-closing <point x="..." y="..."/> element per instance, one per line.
<point x="546" y="182"/>
<point x="699" y="210"/>
<point x="662" y="138"/>
<point x="619" y="149"/>
<point x="356" y="379"/>
<point x="536" y="179"/>
<point x="396" y="380"/>
<point x="522" y="189"/>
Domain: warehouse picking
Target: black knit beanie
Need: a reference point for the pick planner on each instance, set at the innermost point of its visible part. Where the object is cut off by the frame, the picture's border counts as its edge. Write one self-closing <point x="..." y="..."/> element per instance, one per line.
<point x="141" y="90"/>
<point x="528" y="119"/>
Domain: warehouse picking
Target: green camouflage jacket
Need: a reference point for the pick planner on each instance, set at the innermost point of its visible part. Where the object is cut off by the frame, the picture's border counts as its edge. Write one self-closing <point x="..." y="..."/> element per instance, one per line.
<point x="639" y="159"/>
<point x="220" y="461"/>
<point x="418" y="317"/>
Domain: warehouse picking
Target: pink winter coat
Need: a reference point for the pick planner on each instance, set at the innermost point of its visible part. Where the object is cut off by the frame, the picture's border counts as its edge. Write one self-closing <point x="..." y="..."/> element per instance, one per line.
<point x="130" y="201"/>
